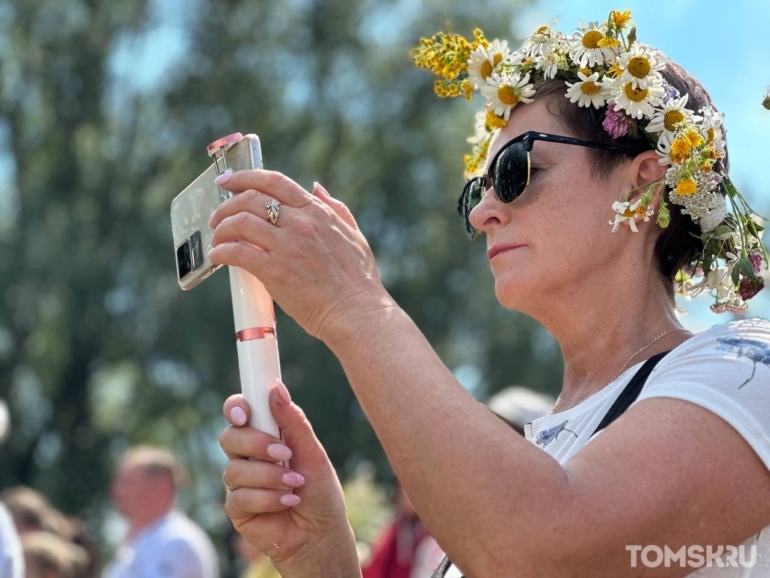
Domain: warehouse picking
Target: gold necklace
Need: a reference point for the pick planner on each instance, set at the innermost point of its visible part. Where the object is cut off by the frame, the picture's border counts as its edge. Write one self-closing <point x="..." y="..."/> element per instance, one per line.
<point x="637" y="352"/>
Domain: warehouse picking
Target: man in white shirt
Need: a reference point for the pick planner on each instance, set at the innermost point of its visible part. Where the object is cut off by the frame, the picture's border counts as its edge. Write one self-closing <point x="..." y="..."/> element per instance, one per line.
<point x="11" y="557"/>
<point x="162" y="541"/>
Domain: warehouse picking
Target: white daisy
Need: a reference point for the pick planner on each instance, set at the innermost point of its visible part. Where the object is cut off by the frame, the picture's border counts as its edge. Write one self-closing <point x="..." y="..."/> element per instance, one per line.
<point x="712" y="128"/>
<point x="483" y="61"/>
<point x="538" y="45"/>
<point x="625" y="211"/>
<point x="585" y="45"/>
<point x="638" y="102"/>
<point x="673" y="113"/>
<point x="557" y="58"/>
<point x="589" y="91"/>
<point x="504" y="92"/>
<point x="642" y="66"/>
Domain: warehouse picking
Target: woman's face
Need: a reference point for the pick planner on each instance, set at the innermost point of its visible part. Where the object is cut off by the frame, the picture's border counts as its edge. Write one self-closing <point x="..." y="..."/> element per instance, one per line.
<point x="559" y="229"/>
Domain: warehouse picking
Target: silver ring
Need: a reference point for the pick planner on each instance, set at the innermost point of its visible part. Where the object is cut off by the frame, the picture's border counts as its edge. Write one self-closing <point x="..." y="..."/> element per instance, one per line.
<point x="273" y="211"/>
<point x="228" y="487"/>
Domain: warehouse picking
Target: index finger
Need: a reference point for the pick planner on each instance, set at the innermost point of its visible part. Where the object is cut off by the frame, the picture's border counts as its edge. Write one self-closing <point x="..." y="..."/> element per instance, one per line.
<point x="277" y="185"/>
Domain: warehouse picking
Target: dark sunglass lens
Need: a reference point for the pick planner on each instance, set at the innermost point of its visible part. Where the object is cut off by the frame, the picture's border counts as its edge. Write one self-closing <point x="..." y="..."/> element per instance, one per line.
<point x="512" y="172"/>
<point x="471" y="197"/>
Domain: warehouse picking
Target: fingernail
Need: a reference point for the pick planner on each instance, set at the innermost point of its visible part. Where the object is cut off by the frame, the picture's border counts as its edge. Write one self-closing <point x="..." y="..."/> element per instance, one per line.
<point x="290" y="500"/>
<point x="293" y="479"/>
<point x="211" y="221"/>
<point x="279" y="452"/>
<point x="284" y="393"/>
<point x="324" y="192"/>
<point x="224" y="177"/>
<point x="237" y="416"/>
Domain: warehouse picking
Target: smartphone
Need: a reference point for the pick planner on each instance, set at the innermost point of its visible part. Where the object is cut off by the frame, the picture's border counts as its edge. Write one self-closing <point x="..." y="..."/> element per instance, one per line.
<point x="192" y="208"/>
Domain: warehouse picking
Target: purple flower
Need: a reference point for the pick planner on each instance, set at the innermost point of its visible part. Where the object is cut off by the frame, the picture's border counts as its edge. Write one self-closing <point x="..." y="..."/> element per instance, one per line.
<point x="750" y="287"/>
<point x="616" y="122"/>
<point x="756" y="261"/>
<point x="670" y="93"/>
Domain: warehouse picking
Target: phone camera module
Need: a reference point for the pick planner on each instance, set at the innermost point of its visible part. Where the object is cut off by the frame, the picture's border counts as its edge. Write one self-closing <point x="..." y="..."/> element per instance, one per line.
<point x="189" y="255"/>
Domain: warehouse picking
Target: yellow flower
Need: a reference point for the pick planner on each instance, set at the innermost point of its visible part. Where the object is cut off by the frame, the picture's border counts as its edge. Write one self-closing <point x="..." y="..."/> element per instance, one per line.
<point x="680" y="150"/>
<point x="609" y="42"/>
<point x="620" y="19"/>
<point x="586" y="71"/>
<point x="445" y="55"/>
<point x="687" y="186"/>
<point x="475" y="161"/>
<point x="467" y="89"/>
<point x="480" y="39"/>
<point x="694" y="137"/>
<point x="615" y="70"/>
<point x="494" y="122"/>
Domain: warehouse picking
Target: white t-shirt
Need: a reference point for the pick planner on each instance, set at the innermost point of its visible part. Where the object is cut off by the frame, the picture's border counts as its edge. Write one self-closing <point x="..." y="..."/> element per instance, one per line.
<point x="172" y="547"/>
<point x="11" y="556"/>
<point x="726" y="370"/>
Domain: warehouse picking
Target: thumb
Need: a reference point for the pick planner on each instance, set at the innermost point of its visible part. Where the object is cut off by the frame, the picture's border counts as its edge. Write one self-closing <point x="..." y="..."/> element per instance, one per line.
<point x="297" y="433"/>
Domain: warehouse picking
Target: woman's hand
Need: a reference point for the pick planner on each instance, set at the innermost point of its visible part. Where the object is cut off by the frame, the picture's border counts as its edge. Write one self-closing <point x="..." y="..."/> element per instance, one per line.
<point x="314" y="260"/>
<point x="296" y="516"/>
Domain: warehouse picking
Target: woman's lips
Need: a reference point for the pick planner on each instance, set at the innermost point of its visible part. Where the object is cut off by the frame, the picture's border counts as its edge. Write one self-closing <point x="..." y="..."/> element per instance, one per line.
<point x="495" y="250"/>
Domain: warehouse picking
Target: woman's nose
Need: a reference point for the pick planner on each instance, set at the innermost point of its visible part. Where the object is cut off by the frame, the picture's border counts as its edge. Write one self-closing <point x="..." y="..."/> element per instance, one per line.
<point x="489" y="213"/>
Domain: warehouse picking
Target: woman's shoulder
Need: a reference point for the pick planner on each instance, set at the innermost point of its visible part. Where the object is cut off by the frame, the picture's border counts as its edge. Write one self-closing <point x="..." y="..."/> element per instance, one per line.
<point x="732" y="336"/>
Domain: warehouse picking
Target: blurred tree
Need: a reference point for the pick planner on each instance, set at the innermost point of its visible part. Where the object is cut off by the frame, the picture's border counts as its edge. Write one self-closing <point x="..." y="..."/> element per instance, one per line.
<point x="105" y="112"/>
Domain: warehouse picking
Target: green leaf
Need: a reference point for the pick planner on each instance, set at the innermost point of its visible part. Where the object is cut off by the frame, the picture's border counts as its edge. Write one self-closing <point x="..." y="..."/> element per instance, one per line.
<point x="736" y="275"/>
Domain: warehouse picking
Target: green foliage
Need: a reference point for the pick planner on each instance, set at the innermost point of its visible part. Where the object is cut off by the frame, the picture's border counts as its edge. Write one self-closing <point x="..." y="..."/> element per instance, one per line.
<point x="100" y="129"/>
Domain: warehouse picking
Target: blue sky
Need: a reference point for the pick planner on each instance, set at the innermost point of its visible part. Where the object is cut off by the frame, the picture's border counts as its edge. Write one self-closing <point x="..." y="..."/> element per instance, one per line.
<point x="725" y="45"/>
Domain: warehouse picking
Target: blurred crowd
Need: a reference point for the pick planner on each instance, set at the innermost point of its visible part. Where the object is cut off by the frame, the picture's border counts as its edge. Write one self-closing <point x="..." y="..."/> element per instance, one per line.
<point x="38" y="541"/>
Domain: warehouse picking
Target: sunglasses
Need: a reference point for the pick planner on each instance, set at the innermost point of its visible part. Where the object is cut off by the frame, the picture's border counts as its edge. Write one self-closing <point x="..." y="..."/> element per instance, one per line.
<point x="510" y="170"/>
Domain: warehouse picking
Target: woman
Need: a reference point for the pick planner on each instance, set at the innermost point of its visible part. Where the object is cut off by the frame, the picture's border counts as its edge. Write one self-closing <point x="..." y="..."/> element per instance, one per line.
<point x="685" y="466"/>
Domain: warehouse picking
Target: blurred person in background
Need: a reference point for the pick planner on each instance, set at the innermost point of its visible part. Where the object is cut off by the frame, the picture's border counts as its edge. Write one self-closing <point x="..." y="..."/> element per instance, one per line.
<point x="255" y="563"/>
<point x="32" y="512"/>
<point x="11" y="559"/>
<point x="47" y="555"/>
<point x="162" y="540"/>
<point x="519" y="406"/>
<point x="393" y="553"/>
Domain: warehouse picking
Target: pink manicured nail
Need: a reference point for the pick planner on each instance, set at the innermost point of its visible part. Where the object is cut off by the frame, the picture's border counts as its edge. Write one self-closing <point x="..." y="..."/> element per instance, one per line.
<point x="224" y="177"/>
<point x="290" y="500"/>
<point x="237" y="416"/>
<point x="279" y="452"/>
<point x="283" y="392"/>
<point x="293" y="479"/>
<point x="323" y="191"/>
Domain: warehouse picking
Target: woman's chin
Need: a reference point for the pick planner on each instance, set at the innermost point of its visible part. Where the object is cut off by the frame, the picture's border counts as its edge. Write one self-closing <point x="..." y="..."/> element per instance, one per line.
<point x="515" y="292"/>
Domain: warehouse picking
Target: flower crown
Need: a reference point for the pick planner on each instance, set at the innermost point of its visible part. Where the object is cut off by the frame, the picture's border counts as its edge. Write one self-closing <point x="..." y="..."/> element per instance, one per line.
<point x="605" y="67"/>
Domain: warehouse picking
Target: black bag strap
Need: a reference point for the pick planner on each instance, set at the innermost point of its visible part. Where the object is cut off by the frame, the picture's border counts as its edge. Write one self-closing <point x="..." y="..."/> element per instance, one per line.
<point x="628" y="396"/>
<point x="631" y="392"/>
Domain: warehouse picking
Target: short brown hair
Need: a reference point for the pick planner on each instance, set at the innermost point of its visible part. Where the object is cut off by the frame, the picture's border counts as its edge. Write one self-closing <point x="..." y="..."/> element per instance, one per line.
<point x="679" y="244"/>
<point x="156" y="462"/>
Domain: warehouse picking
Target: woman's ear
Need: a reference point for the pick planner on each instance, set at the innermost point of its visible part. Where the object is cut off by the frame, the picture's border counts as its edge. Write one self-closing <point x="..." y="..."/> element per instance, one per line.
<point x="645" y="170"/>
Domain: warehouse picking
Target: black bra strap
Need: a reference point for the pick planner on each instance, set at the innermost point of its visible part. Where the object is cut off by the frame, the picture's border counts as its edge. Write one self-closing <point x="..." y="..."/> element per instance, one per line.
<point x="631" y="392"/>
<point x="442" y="569"/>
